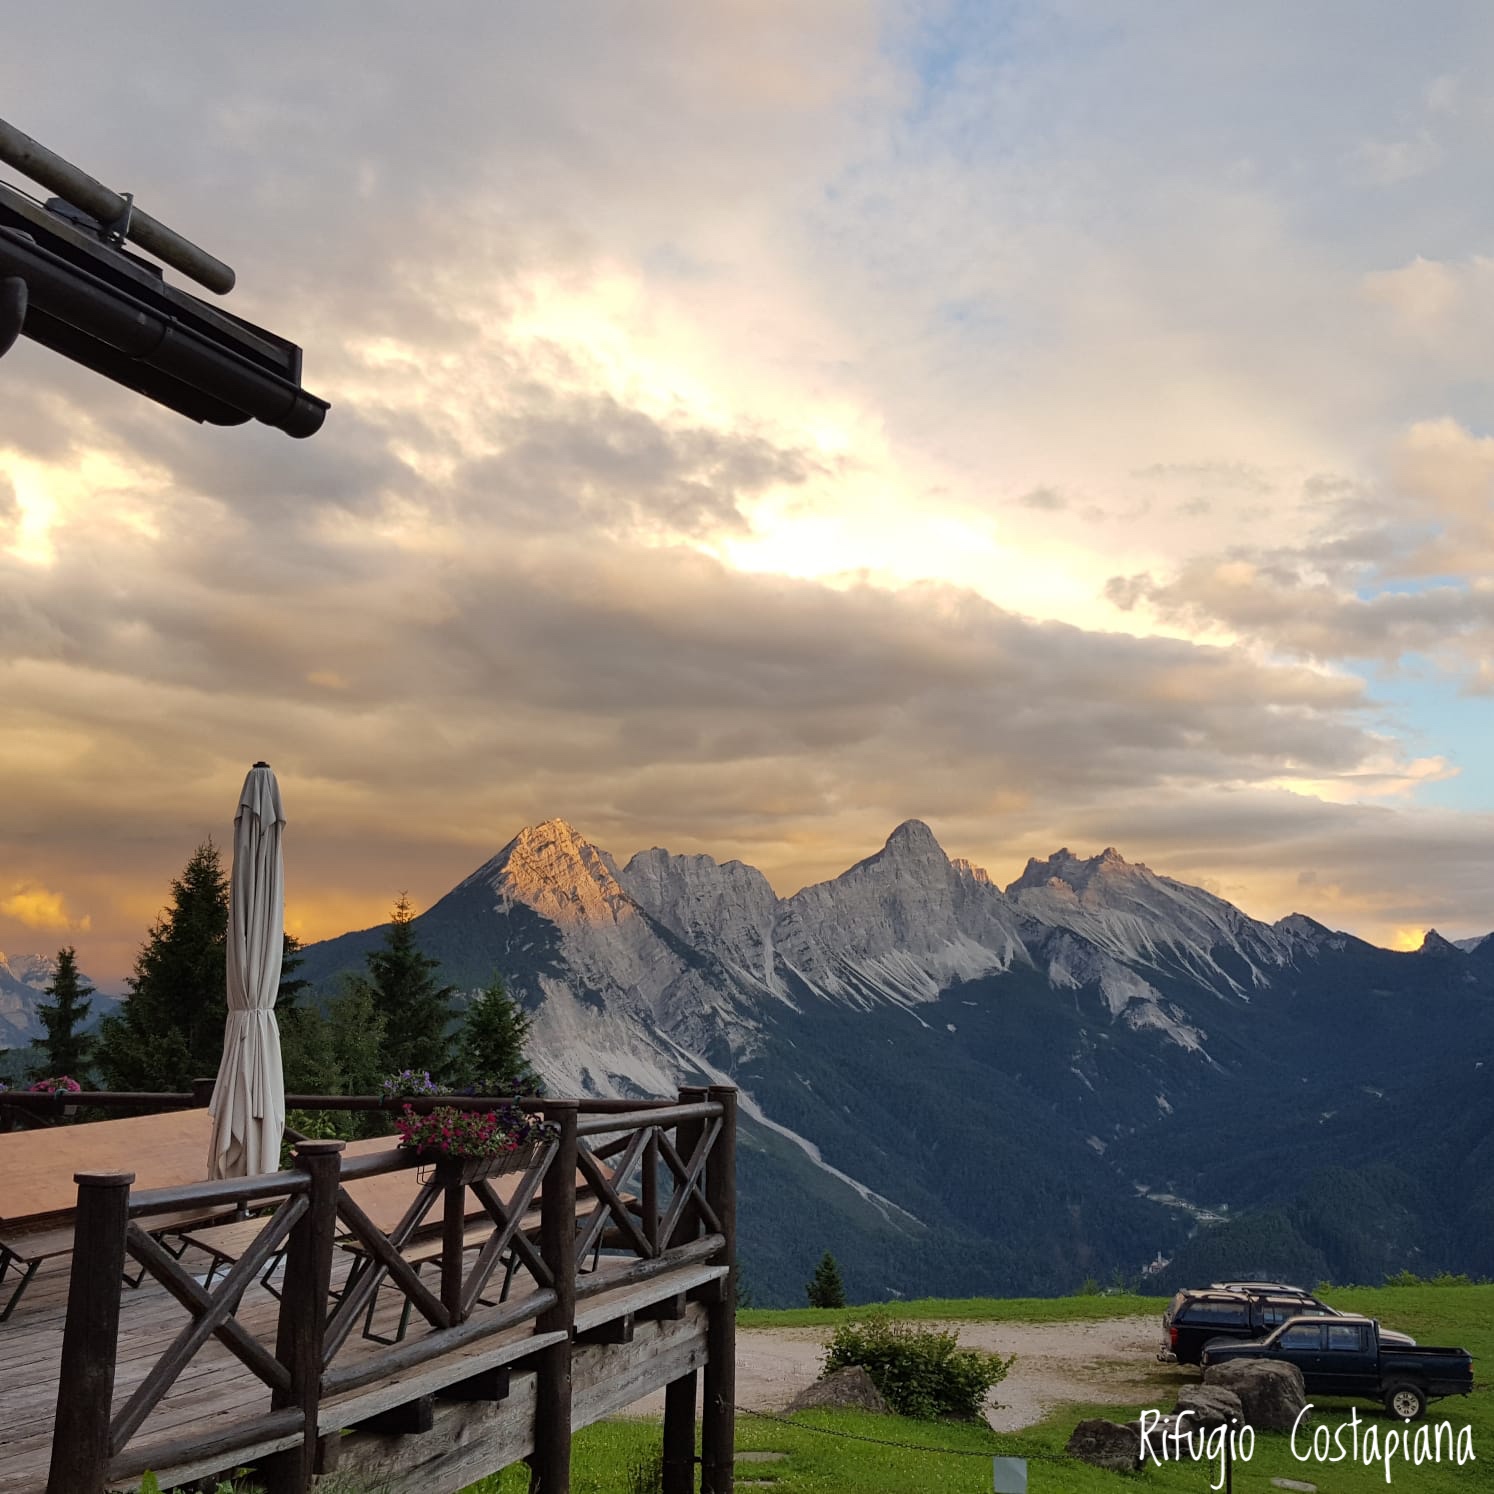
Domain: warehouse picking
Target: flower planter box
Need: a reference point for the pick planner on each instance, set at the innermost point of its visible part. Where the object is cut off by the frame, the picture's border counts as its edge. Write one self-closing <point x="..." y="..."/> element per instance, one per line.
<point x="459" y="1171"/>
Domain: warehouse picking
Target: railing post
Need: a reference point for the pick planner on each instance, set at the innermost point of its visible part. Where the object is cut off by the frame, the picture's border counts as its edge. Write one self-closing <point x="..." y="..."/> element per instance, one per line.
<point x="680" y="1395"/>
<point x="202" y="1092"/>
<point x="303" y="1313"/>
<point x="90" y="1336"/>
<point x="551" y="1461"/>
<point x="718" y="1418"/>
<point x="453" y="1239"/>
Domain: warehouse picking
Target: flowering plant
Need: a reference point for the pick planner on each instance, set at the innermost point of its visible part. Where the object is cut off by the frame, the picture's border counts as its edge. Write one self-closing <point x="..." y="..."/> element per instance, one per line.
<point x="61" y="1084"/>
<point x="449" y="1132"/>
<point x="410" y="1085"/>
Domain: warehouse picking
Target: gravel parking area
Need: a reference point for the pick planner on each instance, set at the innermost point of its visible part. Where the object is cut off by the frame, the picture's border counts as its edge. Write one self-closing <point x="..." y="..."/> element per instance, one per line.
<point x="1111" y="1359"/>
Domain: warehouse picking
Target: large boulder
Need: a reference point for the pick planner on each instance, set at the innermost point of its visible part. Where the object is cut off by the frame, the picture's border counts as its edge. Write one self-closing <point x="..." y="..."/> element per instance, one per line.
<point x="1106" y="1444"/>
<point x="1212" y="1406"/>
<point x="1271" y="1391"/>
<point x="851" y="1387"/>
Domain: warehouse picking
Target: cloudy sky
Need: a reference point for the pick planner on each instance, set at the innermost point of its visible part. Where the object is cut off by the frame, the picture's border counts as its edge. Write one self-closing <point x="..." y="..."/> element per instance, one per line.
<point x="756" y="423"/>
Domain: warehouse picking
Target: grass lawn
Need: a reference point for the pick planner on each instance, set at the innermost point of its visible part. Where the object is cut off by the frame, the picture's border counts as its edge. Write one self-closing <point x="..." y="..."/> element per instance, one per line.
<point x="966" y="1309"/>
<point x="844" y="1452"/>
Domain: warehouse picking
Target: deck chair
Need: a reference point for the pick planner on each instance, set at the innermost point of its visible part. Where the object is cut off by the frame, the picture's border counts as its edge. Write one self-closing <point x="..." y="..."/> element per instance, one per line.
<point x="39" y="1197"/>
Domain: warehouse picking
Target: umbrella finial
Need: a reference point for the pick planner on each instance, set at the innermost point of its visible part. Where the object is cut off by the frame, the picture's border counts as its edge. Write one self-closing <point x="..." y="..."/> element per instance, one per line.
<point x="261" y="765"/>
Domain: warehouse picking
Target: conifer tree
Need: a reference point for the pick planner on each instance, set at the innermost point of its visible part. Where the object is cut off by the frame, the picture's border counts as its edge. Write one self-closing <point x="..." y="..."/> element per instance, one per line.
<point x="824" y="1288"/>
<point x="66" y="1048"/>
<point x="490" y="1053"/>
<point x="416" y="1011"/>
<point x="170" y="1031"/>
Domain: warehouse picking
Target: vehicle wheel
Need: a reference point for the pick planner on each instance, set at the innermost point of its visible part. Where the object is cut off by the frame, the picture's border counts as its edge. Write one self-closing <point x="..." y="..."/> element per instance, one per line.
<point x="1406" y="1401"/>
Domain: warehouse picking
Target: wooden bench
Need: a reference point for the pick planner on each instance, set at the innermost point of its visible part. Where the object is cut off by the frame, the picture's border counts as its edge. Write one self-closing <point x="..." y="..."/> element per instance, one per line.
<point x="423" y="1251"/>
<point x="24" y="1250"/>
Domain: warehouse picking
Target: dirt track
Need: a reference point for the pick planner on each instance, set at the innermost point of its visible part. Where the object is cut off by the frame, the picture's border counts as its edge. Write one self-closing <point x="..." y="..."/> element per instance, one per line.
<point x="1108" y="1360"/>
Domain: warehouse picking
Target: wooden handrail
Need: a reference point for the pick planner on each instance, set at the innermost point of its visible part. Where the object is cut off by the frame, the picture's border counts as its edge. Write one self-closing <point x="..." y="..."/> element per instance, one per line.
<point x="185" y="1196"/>
<point x="677" y="1155"/>
<point x="100" y="1099"/>
<point x="665" y="1115"/>
<point x="104" y="1099"/>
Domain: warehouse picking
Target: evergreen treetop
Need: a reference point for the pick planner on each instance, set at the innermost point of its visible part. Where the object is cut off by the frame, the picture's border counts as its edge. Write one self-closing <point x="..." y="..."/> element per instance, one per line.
<point x="66" y="1048"/>
<point x="402" y="982"/>
<point x="170" y="1031"/>
<point x="490" y="1052"/>
<point x="824" y="1288"/>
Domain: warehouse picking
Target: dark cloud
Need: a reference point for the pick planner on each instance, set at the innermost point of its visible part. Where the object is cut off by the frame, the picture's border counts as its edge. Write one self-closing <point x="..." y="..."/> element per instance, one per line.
<point x="1227" y="475"/>
<point x="587" y="460"/>
<point x="1299" y="603"/>
<point x="1046" y="499"/>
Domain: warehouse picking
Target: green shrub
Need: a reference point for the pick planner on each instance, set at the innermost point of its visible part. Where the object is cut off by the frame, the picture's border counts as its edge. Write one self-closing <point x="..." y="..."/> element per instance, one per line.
<point x="1441" y="1279"/>
<point x="921" y="1371"/>
<point x="646" y="1472"/>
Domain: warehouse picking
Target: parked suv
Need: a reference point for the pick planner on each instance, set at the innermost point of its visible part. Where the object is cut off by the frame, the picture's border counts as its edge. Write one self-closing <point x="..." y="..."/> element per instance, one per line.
<point x="1239" y="1311"/>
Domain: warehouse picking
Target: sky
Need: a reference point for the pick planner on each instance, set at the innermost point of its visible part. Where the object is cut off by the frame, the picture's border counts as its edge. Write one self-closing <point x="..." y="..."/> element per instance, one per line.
<point x="755" y="424"/>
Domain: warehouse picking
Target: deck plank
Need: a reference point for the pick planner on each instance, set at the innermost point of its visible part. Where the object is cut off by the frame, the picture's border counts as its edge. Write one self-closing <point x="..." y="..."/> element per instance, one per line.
<point x="217" y="1391"/>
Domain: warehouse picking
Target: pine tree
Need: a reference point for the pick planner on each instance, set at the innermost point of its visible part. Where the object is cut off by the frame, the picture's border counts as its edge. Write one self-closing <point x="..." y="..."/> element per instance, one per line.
<point x="416" y="1012"/>
<point x="336" y="1054"/>
<point x="170" y="1031"/>
<point x="171" y="1028"/>
<point x="66" y="1048"/>
<point x="824" y="1288"/>
<point x="288" y="993"/>
<point x="357" y="1037"/>
<point x="490" y="1054"/>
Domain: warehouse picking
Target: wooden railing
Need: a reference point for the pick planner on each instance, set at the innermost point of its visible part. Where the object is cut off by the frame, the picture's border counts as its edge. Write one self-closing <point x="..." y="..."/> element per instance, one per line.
<point x="21" y="1108"/>
<point x="657" y="1191"/>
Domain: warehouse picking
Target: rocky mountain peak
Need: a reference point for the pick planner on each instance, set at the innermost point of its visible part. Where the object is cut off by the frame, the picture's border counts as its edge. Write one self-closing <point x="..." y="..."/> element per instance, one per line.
<point x="912" y="844"/>
<point x="727" y="905"/>
<point x="1433" y="943"/>
<point x="1063" y="869"/>
<point x="34" y="970"/>
<point x="555" y="870"/>
<point x="1300" y="926"/>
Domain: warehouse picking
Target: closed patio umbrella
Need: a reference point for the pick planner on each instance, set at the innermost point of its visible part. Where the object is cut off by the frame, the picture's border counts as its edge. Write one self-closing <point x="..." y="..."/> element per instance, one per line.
<point x="249" y="1097"/>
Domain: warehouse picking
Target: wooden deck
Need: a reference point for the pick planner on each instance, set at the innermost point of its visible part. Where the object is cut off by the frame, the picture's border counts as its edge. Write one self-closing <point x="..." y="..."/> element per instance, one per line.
<point x="450" y="1403"/>
<point x="216" y="1390"/>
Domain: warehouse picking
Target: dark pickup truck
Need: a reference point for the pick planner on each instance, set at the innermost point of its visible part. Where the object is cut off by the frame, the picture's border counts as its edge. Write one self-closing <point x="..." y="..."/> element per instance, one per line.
<point x="1241" y="1311"/>
<point x="1343" y="1355"/>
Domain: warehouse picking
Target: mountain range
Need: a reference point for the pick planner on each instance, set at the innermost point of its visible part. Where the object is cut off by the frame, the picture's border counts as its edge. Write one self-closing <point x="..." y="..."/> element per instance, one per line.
<point x="957" y="1087"/>
<point x="23" y="982"/>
